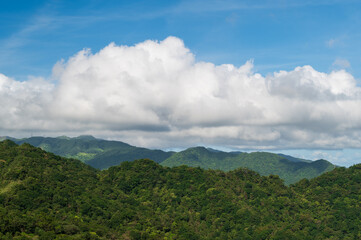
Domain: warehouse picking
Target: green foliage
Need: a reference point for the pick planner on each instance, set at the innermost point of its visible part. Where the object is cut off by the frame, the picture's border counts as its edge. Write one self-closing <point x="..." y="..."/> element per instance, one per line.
<point x="44" y="196"/>
<point x="290" y="169"/>
<point x="103" y="154"/>
<point x="98" y="153"/>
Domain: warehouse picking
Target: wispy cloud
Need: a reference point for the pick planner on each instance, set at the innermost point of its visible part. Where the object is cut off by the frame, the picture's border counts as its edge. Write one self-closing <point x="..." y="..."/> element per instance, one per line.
<point x="331" y="42"/>
<point x="22" y="36"/>
<point x="336" y="42"/>
<point x="341" y="63"/>
<point x="44" y="21"/>
<point x="188" y="6"/>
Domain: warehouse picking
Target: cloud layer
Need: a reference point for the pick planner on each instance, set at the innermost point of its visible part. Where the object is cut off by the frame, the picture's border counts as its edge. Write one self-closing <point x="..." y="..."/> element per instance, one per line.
<point x="157" y="95"/>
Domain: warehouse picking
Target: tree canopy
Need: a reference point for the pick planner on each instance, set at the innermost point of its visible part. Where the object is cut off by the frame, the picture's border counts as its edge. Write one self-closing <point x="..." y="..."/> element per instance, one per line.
<point x="44" y="196"/>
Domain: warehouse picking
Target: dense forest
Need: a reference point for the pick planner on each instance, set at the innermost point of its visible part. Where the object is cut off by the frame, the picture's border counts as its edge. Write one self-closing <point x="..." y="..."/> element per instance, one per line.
<point x="102" y="154"/>
<point x="265" y="163"/>
<point x="44" y="196"/>
<point x="97" y="153"/>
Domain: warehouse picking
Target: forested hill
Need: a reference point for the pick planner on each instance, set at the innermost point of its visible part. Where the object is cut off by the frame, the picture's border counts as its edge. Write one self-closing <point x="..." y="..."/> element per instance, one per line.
<point x="98" y="153"/>
<point x="103" y="154"/>
<point x="262" y="162"/>
<point x="44" y="196"/>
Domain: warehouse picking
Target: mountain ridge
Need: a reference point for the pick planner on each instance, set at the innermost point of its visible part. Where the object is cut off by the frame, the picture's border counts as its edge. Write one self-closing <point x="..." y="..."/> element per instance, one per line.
<point x="103" y="154"/>
<point x="45" y="196"/>
<point x="262" y="162"/>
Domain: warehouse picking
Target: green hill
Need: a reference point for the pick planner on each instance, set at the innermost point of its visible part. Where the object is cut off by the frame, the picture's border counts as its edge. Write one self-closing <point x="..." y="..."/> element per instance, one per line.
<point x="44" y="196"/>
<point x="262" y="162"/>
<point x="103" y="154"/>
<point x="98" y="153"/>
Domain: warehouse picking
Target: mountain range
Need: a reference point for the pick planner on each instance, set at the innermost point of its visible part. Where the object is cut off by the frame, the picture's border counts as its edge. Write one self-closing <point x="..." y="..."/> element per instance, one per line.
<point x="103" y="154"/>
<point x="45" y="196"/>
<point x="264" y="163"/>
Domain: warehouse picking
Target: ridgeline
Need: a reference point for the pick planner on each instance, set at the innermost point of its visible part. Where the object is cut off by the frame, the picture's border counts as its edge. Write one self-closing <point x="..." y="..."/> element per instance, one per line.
<point x="102" y="154"/>
<point x="44" y="196"/>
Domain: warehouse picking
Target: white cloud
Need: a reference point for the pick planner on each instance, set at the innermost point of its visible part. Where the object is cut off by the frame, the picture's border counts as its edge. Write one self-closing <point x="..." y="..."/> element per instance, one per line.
<point x="331" y="42"/>
<point x="23" y="104"/>
<point x="341" y="63"/>
<point x="156" y="94"/>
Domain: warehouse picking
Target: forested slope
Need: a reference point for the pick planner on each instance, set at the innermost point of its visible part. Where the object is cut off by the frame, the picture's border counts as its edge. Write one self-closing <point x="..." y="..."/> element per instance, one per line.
<point x="288" y="168"/>
<point x="97" y="153"/>
<point x="103" y="154"/>
<point x="43" y="196"/>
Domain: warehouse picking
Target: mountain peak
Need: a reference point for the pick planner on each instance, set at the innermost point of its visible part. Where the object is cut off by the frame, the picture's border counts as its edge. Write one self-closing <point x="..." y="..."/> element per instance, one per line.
<point x="7" y="143"/>
<point x="63" y="137"/>
<point x="198" y="148"/>
<point x="85" y="137"/>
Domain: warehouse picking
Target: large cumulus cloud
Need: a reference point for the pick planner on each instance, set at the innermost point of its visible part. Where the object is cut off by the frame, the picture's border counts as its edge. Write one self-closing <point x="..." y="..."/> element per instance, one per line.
<point x="156" y="94"/>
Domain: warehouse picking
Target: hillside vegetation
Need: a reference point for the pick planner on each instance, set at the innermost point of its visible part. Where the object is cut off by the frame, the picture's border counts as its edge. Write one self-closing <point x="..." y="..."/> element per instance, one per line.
<point x="98" y="153"/>
<point x="103" y="154"/>
<point x="262" y="162"/>
<point x="44" y="196"/>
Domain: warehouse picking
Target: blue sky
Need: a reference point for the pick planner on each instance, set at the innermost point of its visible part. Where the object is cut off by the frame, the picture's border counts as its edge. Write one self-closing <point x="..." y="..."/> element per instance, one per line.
<point x="278" y="35"/>
<point x="48" y="82"/>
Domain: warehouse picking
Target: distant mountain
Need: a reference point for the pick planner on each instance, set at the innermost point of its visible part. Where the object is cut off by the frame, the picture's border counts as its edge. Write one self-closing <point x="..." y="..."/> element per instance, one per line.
<point x="114" y="157"/>
<point x="103" y="154"/>
<point x="98" y="153"/>
<point x="44" y="196"/>
<point x="293" y="159"/>
<point x="288" y="168"/>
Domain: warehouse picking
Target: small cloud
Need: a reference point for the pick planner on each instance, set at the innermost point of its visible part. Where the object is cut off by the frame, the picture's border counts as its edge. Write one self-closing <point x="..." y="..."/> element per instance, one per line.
<point x="337" y="157"/>
<point x="232" y="19"/>
<point x="331" y="43"/>
<point x="341" y="63"/>
<point x="320" y="155"/>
